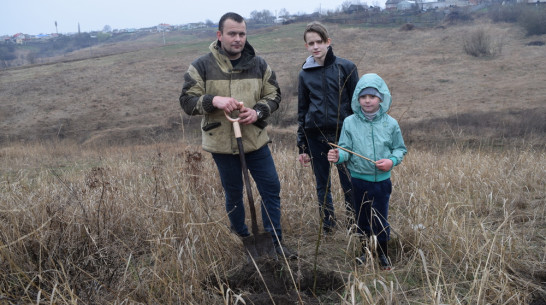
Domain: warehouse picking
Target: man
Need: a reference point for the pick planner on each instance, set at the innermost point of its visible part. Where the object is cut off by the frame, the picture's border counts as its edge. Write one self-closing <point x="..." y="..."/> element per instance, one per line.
<point x="326" y="86"/>
<point x="231" y="77"/>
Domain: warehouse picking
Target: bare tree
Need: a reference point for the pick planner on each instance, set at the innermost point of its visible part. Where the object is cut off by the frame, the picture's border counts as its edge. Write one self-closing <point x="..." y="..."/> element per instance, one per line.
<point x="345" y="6"/>
<point x="419" y="4"/>
<point x="264" y="16"/>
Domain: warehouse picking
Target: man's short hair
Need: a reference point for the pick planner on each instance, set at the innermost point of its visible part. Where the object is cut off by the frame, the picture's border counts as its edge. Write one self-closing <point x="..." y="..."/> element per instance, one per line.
<point x="318" y="28"/>
<point x="233" y="16"/>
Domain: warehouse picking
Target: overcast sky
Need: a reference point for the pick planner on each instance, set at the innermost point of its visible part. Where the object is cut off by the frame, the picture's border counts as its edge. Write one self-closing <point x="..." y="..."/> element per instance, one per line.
<point x="39" y="16"/>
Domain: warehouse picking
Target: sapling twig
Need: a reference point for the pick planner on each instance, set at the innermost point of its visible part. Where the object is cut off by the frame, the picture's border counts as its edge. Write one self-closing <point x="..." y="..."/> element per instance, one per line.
<point x="352" y="152"/>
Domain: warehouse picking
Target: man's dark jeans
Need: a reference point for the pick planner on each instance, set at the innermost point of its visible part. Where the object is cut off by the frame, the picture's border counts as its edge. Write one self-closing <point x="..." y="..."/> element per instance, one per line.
<point x="262" y="168"/>
<point x="318" y="147"/>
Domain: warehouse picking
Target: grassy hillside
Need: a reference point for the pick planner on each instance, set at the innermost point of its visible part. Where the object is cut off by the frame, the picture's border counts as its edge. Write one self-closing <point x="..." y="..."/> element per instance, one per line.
<point x="132" y="96"/>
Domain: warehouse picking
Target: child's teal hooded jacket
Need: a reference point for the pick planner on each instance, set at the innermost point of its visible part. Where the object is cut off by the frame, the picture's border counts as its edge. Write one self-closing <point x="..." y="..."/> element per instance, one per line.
<point x="378" y="139"/>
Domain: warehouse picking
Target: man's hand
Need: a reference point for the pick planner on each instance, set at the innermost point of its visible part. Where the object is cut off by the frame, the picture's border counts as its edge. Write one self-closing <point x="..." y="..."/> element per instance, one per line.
<point x="384" y="164"/>
<point x="247" y="116"/>
<point x="333" y="155"/>
<point x="227" y="104"/>
<point x="304" y="159"/>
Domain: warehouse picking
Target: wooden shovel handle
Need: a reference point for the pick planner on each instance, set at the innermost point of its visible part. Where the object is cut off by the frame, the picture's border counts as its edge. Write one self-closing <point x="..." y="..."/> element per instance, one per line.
<point x="230" y="118"/>
<point x="237" y="131"/>
<point x="235" y="121"/>
<point x="236" y="126"/>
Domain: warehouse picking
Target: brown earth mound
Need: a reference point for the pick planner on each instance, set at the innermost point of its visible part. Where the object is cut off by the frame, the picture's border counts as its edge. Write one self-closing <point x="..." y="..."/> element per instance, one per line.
<point x="271" y="281"/>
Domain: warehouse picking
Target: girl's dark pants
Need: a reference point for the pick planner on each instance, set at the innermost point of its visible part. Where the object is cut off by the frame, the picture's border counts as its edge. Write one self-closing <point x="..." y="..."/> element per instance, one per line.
<point x="371" y="205"/>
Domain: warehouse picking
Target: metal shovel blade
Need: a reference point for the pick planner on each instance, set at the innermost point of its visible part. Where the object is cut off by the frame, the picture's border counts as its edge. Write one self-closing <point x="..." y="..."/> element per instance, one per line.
<point x="260" y="245"/>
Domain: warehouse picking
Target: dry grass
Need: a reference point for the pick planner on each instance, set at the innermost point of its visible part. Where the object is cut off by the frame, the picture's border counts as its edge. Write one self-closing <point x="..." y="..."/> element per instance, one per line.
<point x="146" y="224"/>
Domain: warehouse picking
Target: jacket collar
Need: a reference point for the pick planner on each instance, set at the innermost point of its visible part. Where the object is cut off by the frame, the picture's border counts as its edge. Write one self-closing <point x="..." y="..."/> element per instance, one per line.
<point x="330" y="57"/>
<point x="247" y="55"/>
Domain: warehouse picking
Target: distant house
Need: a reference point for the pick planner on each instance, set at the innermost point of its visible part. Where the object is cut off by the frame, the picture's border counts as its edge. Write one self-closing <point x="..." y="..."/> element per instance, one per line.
<point x="356" y="8"/>
<point x="392" y="4"/>
<point x="405" y="5"/>
<point x="427" y="5"/>
<point x="444" y="4"/>
<point x="163" y="27"/>
<point x="195" y="25"/>
<point x="19" y="38"/>
<point x="43" y="36"/>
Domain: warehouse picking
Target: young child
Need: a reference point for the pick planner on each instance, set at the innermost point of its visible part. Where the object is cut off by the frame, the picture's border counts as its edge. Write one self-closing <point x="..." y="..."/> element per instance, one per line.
<point x="372" y="133"/>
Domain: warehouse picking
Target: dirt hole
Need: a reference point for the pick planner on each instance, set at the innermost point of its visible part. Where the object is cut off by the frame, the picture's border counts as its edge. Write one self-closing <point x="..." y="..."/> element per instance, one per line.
<point x="286" y="284"/>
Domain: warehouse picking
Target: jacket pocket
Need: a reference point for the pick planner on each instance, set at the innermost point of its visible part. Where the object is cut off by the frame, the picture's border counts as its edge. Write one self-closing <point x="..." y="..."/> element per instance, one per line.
<point x="260" y="124"/>
<point x="211" y="126"/>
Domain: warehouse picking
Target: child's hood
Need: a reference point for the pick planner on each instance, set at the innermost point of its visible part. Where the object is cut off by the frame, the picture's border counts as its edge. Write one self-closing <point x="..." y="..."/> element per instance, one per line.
<point x="375" y="81"/>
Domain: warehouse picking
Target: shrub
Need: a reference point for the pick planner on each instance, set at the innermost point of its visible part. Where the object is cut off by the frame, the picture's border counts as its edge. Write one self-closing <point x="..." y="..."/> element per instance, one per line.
<point x="7" y="52"/>
<point x="457" y="17"/>
<point x="480" y="44"/>
<point x="505" y="13"/>
<point x="407" y="27"/>
<point x="533" y="20"/>
<point x="31" y="57"/>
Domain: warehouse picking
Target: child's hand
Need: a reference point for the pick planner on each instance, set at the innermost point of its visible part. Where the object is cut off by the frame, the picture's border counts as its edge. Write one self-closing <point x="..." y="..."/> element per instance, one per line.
<point x="333" y="155"/>
<point x="304" y="159"/>
<point x="384" y="164"/>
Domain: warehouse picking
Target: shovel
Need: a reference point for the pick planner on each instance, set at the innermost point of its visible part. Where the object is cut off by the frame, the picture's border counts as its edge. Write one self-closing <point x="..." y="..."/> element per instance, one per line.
<point x="257" y="244"/>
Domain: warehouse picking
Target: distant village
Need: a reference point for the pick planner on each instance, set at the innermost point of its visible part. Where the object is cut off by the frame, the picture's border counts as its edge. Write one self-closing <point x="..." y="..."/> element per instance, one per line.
<point x="21" y="38"/>
<point x="390" y="6"/>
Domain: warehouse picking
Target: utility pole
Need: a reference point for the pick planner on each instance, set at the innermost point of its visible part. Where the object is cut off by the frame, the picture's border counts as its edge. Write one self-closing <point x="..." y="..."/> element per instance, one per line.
<point x="56" y="29"/>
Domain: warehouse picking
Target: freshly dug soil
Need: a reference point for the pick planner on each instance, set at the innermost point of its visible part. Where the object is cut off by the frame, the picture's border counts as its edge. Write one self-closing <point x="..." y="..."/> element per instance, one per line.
<point x="271" y="281"/>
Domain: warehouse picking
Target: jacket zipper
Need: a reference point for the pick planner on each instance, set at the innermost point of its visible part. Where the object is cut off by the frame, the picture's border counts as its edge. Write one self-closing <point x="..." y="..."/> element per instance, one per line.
<point x="374" y="155"/>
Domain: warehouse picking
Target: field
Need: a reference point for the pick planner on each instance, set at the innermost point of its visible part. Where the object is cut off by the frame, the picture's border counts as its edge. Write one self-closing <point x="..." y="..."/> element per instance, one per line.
<point x="107" y="198"/>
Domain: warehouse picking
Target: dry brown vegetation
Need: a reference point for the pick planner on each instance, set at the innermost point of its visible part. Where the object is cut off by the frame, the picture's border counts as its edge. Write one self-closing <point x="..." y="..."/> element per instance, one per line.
<point x="146" y="224"/>
<point x="84" y="221"/>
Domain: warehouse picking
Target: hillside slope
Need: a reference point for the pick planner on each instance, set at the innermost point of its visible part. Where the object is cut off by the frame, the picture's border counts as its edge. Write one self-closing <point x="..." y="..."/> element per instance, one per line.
<point x="133" y="96"/>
